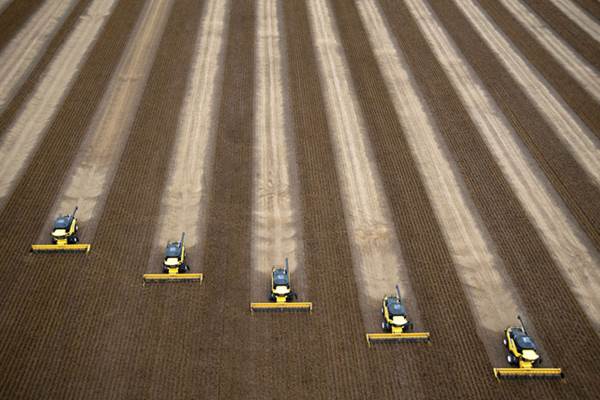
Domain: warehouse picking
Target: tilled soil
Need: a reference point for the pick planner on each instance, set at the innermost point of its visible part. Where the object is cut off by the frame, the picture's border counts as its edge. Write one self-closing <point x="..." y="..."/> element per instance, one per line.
<point x="83" y="326"/>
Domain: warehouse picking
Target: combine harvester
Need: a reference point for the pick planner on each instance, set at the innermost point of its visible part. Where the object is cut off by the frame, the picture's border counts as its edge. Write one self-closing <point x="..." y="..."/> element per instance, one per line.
<point x="282" y="297"/>
<point x="64" y="237"/>
<point x="522" y="354"/>
<point x="395" y="323"/>
<point x="175" y="270"/>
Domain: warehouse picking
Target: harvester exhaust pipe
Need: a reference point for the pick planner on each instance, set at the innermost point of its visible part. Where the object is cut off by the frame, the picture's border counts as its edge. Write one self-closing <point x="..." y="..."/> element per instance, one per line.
<point x="522" y="324"/>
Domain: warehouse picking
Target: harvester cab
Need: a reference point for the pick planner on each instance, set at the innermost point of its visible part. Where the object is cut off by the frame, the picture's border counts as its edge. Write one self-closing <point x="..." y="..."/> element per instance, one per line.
<point x="63" y="236"/>
<point x="174" y="261"/>
<point x="395" y="323"/>
<point x="523" y="356"/>
<point x="281" y="295"/>
<point x="281" y="291"/>
<point x="174" y="267"/>
<point x="395" y="319"/>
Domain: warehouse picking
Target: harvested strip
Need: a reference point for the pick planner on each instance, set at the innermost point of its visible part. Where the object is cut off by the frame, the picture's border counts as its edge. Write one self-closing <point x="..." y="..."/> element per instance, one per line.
<point x="579" y="16"/>
<point x="275" y="214"/>
<point x="585" y="74"/>
<point x="377" y="258"/>
<point x="25" y="49"/>
<point x="582" y="143"/>
<point x="23" y="137"/>
<point x="574" y="255"/>
<point x="490" y="291"/>
<point x="185" y="195"/>
<point x="14" y="16"/>
<point x="92" y="171"/>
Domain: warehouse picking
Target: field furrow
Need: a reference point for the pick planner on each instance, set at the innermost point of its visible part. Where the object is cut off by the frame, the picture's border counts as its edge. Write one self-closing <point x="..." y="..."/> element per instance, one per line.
<point x="579" y="16"/>
<point x="21" y="54"/>
<point x="22" y="139"/>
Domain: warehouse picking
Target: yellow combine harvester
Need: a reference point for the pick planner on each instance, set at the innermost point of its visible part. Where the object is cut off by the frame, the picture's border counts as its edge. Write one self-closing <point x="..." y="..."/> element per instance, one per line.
<point x="282" y="297"/>
<point x="395" y="323"/>
<point x="522" y="354"/>
<point x="174" y="267"/>
<point x="64" y="237"/>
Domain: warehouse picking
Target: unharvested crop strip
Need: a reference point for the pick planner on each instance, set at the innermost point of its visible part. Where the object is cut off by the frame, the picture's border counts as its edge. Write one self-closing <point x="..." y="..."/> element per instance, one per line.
<point x="91" y="172"/>
<point x="19" y="143"/>
<point x="490" y="291"/>
<point x="517" y="241"/>
<point x="581" y="41"/>
<point x="532" y="121"/>
<point x="31" y="80"/>
<point x="429" y="264"/>
<point x="183" y="205"/>
<point x="20" y="55"/>
<point x="276" y="233"/>
<point x="583" y="144"/>
<point x="14" y="16"/>
<point x="574" y="79"/>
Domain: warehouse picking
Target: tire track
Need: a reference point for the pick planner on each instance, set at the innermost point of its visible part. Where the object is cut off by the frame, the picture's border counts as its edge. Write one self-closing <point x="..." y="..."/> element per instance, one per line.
<point x="37" y="301"/>
<point x="582" y="143"/>
<point x="276" y="213"/>
<point x="33" y="122"/>
<point x="491" y="293"/>
<point x="517" y="241"/>
<point x="92" y="171"/>
<point x="13" y="17"/>
<point x="587" y="77"/>
<point x="25" y="49"/>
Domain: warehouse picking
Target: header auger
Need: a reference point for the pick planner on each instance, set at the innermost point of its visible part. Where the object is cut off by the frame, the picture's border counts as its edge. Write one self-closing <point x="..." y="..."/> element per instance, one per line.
<point x="523" y="355"/>
<point x="174" y="267"/>
<point x="281" y="295"/>
<point x="395" y="323"/>
<point x="64" y="237"/>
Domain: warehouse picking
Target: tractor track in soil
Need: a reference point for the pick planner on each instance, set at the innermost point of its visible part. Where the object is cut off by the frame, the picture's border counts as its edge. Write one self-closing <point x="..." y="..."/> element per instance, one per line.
<point x="18" y="100"/>
<point x="516" y="239"/>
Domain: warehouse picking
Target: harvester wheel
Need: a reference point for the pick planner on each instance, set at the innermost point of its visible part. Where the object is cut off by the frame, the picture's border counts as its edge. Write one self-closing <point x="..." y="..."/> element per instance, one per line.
<point x="505" y="342"/>
<point x="512" y="360"/>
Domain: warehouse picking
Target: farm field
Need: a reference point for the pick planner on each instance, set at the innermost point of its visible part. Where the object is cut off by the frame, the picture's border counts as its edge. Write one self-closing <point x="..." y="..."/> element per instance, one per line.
<point x="450" y="147"/>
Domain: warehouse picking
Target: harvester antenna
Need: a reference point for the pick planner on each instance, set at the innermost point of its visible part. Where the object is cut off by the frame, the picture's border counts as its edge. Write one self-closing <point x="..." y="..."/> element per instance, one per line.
<point x="182" y="236"/>
<point x="398" y="292"/>
<point x="522" y="324"/>
<point x="287" y="266"/>
<point x="74" y="211"/>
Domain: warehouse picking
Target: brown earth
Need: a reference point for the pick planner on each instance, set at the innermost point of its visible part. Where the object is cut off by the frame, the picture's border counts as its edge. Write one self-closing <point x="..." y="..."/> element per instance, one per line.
<point x="84" y="327"/>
